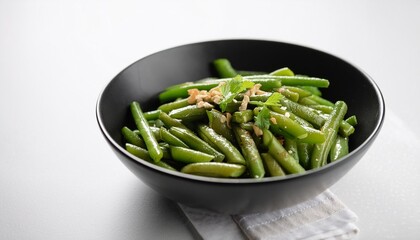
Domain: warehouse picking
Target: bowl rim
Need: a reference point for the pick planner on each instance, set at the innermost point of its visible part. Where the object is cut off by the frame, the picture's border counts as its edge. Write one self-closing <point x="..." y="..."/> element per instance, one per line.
<point x="235" y="181"/>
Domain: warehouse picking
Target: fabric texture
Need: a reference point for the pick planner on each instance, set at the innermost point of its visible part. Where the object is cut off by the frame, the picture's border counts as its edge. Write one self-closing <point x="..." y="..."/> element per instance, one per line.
<point x="323" y="217"/>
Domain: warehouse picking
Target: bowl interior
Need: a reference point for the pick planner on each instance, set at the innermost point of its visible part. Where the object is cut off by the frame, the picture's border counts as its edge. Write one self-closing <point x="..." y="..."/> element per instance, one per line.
<point x="144" y="79"/>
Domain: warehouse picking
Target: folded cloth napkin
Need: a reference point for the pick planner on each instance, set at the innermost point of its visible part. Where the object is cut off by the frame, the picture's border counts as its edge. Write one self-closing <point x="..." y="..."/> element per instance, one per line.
<point x="323" y="217"/>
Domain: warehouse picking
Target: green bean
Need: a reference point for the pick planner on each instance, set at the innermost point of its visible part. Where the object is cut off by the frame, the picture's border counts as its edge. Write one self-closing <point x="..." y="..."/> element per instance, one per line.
<point x="304" y="151"/>
<point x="167" y="107"/>
<point x="188" y="155"/>
<point x="188" y="113"/>
<point x="307" y="113"/>
<point x="163" y="164"/>
<point x="267" y="83"/>
<point x="314" y="136"/>
<point x="299" y="90"/>
<point x="207" y="140"/>
<point x="171" y="122"/>
<point x="151" y="115"/>
<point x="170" y="138"/>
<point x="144" y="154"/>
<point x="147" y="135"/>
<point x="132" y="137"/>
<point x="323" y="108"/>
<point x="339" y="149"/>
<point x="289" y="125"/>
<point x="260" y="97"/>
<point x="352" y="120"/>
<point x="158" y="123"/>
<point x="249" y="73"/>
<point x="218" y="122"/>
<point x="277" y="151"/>
<point x="138" y="151"/>
<point x="196" y="143"/>
<point x="278" y="132"/>
<point x="272" y="166"/>
<point x="283" y="72"/>
<point x="243" y="116"/>
<point x="224" y="68"/>
<point x="247" y="126"/>
<point x="312" y="89"/>
<point x="165" y="149"/>
<point x="330" y="129"/>
<point x="215" y="169"/>
<point x="250" y="152"/>
<point x="231" y="153"/>
<point x="306" y="101"/>
<point x="345" y="129"/>
<point x="290" y="145"/>
<point x="155" y="132"/>
<point x="289" y="94"/>
<point x="294" y="80"/>
<point x="233" y="106"/>
<point x="321" y="100"/>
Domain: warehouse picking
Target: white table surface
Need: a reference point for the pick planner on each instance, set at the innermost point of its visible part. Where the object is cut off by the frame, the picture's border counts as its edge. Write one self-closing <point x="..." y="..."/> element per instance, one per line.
<point x="60" y="180"/>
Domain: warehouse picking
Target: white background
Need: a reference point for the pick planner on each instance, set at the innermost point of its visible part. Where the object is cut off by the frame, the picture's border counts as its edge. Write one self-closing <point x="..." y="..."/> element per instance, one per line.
<point x="60" y="180"/>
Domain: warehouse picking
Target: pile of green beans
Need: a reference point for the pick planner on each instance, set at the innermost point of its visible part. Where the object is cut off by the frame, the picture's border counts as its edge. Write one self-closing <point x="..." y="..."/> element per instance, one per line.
<point x="297" y="131"/>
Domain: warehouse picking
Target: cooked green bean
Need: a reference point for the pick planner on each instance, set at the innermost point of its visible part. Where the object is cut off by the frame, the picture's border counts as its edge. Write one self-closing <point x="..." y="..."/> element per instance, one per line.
<point x="352" y="120"/>
<point x="219" y="123"/>
<point x="330" y="129"/>
<point x="144" y="154"/>
<point x="277" y="151"/>
<point x="232" y="154"/>
<point x="196" y="143"/>
<point x="151" y="115"/>
<point x="147" y="135"/>
<point x="167" y="107"/>
<point x="170" y="138"/>
<point x="272" y="166"/>
<point x="304" y="152"/>
<point x="283" y="72"/>
<point x="188" y="113"/>
<point x="299" y="90"/>
<point x="321" y="100"/>
<point x="155" y="132"/>
<point x="215" y="169"/>
<point x="290" y="145"/>
<point x="294" y="96"/>
<point x="289" y="125"/>
<point x="138" y="151"/>
<point x="250" y="152"/>
<point x="170" y="122"/>
<point x="243" y="116"/>
<point x="340" y="148"/>
<point x="188" y="155"/>
<point x="323" y="108"/>
<point x="313" y="90"/>
<point x="307" y="101"/>
<point x="295" y="80"/>
<point x="131" y="137"/>
<point x="250" y="73"/>
<point x="224" y="68"/>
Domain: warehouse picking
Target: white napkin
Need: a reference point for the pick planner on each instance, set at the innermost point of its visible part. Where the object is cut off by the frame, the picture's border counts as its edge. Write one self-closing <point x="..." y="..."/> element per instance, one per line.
<point x="323" y="217"/>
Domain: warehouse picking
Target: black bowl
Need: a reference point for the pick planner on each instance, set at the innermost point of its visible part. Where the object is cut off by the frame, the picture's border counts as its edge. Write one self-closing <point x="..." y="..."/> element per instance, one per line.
<point x="144" y="79"/>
